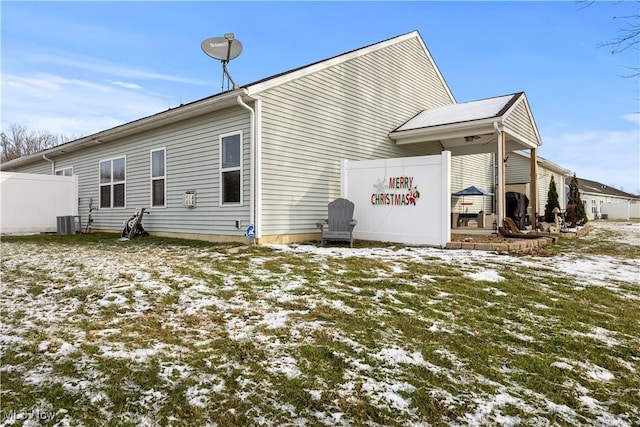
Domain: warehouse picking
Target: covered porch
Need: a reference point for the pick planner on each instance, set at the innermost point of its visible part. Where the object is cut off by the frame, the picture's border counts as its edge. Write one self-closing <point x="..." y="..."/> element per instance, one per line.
<point x="497" y="125"/>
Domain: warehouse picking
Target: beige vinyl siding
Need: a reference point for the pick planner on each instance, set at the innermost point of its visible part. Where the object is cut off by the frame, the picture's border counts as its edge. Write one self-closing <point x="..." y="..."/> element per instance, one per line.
<point x="543" y="192"/>
<point x="192" y="163"/>
<point x="518" y="169"/>
<point x="473" y="169"/>
<point x="521" y="122"/>
<point x="518" y="179"/>
<point x="519" y="172"/>
<point x="543" y="189"/>
<point x="342" y="112"/>
<point x="42" y="167"/>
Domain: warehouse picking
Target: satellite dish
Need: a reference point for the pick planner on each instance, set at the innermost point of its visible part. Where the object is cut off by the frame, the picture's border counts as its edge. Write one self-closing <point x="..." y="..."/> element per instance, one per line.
<point x="222" y="48"/>
<point x="225" y="49"/>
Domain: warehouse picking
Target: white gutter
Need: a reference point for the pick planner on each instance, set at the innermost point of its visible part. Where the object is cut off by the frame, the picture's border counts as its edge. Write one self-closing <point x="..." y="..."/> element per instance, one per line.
<point x="173" y="115"/>
<point x="448" y="130"/>
<point x="258" y="168"/>
<point x="252" y="161"/>
<point x="53" y="164"/>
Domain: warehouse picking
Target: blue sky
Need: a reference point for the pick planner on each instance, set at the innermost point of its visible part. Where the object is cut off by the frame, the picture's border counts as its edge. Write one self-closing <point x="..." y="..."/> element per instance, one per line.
<point x="75" y="68"/>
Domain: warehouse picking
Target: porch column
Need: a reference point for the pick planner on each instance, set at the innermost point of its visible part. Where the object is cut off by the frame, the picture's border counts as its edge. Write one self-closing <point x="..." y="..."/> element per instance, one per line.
<point x="500" y="193"/>
<point x="533" y="187"/>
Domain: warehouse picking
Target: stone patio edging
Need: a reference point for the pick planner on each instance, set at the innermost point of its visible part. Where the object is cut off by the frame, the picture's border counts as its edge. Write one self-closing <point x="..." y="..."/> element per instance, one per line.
<point x="518" y="245"/>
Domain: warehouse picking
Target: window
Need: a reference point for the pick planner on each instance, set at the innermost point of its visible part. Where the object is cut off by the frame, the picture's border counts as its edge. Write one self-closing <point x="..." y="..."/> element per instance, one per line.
<point x="112" y="186"/>
<point x="231" y="168"/>
<point x="65" y="171"/>
<point x="158" y="178"/>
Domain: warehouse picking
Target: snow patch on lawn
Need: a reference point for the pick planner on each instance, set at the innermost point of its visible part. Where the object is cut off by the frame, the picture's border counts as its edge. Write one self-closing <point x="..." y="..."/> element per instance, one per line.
<point x="600" y="334"/>
<point x="486" y="276"/>
<point x="562" y="365"/>
<point x="124" y="288"/>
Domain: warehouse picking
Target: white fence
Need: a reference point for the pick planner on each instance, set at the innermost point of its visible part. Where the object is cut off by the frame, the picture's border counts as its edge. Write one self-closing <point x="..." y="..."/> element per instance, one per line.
<point x="31" y="203"/>
<point x="404" y="200"/>
<point x="623" y="210"/>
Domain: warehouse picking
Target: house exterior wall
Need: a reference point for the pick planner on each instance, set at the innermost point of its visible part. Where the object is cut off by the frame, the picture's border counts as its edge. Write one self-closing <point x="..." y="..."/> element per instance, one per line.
<point x="544" y="180"/>
<point x="308" y="124"/>
<point x="192" y="163"/>
<point x="518" y="169"/>
<point x="518" y="173"/>
<point x="521" y="123"/>
<point x="473" y="169"/>
<point x="344" y="111"/>
<point x="595" y="205"/>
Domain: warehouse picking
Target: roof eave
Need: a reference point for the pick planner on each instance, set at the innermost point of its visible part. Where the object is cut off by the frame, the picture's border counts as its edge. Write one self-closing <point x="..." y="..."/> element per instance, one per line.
<point x="271" y="82"/>
<point x="278" y="80"/>
<point x="546" y="163"/>
<point x="447" y="131"/>
<point x="183" y="112"/>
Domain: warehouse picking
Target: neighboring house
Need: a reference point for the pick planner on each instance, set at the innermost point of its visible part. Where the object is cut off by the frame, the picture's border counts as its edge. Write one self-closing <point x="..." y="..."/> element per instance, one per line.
<point x="268" y="153"/>
<point x="603" y="201"/>
<point x="519" y="179"/>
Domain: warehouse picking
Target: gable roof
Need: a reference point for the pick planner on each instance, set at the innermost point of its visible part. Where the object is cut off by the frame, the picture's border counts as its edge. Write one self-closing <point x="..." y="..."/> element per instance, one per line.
<point x="597" y="188"/>
<point x="305" y="70"/>
<point x="474" y="119"/>
<point x="489" y="108"/>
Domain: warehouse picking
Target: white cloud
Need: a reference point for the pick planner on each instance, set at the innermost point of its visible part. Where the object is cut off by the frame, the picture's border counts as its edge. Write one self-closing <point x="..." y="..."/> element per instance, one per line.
<point x="103" y="67"/>
<point x="85" y="95"/>
<point x="72" y="107"/>
<point x="611" y="157"/>
<point x="126" y="85"/>
<point x="633" y="118"/>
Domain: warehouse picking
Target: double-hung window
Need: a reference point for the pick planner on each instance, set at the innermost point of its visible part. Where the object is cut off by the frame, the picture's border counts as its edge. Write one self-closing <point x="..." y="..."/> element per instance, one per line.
<point x="231" y="168"/>
<point x="112" y="183"/>
<point x="158" y="178"/>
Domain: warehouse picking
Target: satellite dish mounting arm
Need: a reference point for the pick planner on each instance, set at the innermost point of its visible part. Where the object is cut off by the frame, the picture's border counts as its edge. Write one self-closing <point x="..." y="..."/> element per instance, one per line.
<point x="224" y="69"/>
<point x="230" y="37"/>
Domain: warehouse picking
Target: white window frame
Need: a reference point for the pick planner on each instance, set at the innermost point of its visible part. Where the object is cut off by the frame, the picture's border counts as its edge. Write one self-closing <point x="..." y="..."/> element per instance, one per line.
<point x="63" y="171"/>
<point x="231" y="169"/>
<point x="112" y="183"/>
<point x="155" y="178"/>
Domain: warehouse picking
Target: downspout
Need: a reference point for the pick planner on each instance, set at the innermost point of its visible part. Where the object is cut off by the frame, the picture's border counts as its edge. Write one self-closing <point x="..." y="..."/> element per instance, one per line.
<point x="252" y="162"/>
<point x="53" y="164"/>
<point x="258" y="167"/>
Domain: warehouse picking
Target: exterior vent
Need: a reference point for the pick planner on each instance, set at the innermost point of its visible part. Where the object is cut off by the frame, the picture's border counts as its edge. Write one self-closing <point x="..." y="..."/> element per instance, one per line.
<point x="189" y="199"/>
